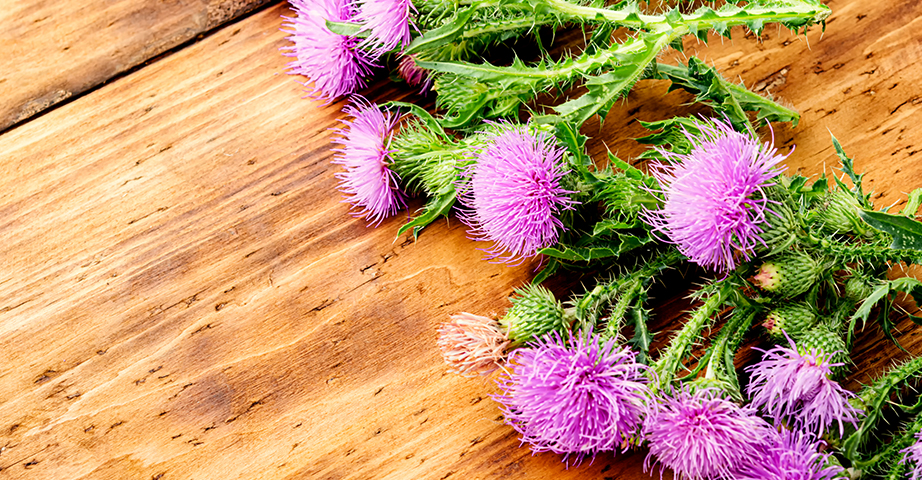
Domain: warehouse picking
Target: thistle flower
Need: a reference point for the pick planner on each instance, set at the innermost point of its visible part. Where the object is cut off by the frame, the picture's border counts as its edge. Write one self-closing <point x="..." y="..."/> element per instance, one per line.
<point x="913" y="455"/>
<point x="413" y="74"/>
<point x="702" y="435"/>
<point x="787" y="384"/>
<point x="472" y="344"/>
<point x="368" y="183"/>
<point x="514" y="195"/>
<point x="388" y="24"/>
<point x="791" y="456"/>
<point x="576" y="397"/>
<point x="333" y="62"/>
<point x="715" y="200"/>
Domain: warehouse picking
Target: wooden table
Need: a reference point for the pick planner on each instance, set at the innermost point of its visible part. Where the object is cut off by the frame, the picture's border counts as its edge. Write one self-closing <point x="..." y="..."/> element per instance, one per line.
<point x="183" y="294"/>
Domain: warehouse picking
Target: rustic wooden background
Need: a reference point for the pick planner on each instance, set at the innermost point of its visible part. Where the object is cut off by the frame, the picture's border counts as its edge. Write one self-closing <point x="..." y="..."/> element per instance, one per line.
<point x="183" y="296"/>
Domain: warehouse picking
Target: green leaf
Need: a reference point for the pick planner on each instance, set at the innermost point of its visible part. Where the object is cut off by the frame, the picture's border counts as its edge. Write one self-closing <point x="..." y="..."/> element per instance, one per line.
<point x="434" y="208"/>
<point x="549" y="269"/>
<point x="849" y="168"/>
<point x="442" y="35"/>
<point x="906" y="232"/>
<point x="624" y="243"/>
<point x="348" y="29"/>
<point x="422" y="114"/>
<point x="725" y="97"/>
<point x="913" y="203"/>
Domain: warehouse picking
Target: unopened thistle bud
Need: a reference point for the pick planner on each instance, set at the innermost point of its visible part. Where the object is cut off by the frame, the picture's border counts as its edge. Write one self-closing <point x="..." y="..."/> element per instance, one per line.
<point x="838" y="213"/>
<point x="791" y="318"/>
<point x="857" y="288"/>
<point x="780" y="228"/>
<point x="826" y="338"/>
<point x="788" y="275"/>
<point x="534" y="312"/>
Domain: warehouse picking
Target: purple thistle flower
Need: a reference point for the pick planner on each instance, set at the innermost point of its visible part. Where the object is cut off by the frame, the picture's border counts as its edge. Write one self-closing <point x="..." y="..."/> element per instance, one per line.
<point x="574" y="398"/>
<point x="514" y="195"/>
<point x="791" y="456"/>
<point x="413" y="74"/>
<point x="714" y="195"/>
<point x="368" y="183"/>
<point x="913" y="454"/>
<point x="786" y="384"/>
<point x="388" y="24"/>
<point x="702" y="435"/>
<point x="333" y="62"/>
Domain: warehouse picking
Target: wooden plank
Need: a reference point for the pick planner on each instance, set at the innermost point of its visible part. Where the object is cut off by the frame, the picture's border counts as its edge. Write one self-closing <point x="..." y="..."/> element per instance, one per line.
<point x="54" y="50"/>
<point x="183" y="297"/>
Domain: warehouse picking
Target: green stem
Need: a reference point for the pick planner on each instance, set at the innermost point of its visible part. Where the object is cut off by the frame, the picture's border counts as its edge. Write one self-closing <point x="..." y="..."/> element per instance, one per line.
<point x="705" y="18"/>
<point x="670" y="360"/>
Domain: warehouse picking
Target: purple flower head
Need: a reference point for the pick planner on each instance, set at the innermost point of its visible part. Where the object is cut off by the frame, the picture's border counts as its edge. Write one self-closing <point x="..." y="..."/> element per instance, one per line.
<point x="702" y="435"/>
<point x="786" y="384"/>
<point x="913" y="455"/>
<point x="576" y="397"/>
<point x="388" y="24"/>
<point x="333" y="62"/>
<point x="413" y="74"/>
<point x="714" y="196"/>
<point x="472" y="344"/>
<point x="514" y="195"/>
<point x="368" y="183"/>
<point x="791" y="456"/>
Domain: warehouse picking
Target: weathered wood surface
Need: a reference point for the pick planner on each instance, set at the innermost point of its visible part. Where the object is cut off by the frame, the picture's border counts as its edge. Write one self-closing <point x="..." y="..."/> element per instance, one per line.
<point x="184" y="296"/>
<point x="57" y="49"/>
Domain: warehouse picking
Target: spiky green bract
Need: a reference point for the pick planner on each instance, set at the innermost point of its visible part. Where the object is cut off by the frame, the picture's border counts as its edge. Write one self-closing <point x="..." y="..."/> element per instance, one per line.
<point x="829" y="338"/>
<point x="789" y="274"/>
<point x="859" y="287"/>
<point x="873" y="399"/>
<point x="792" y="318"/>
<point x="534" y="312"/>
<point x="427" y="160"/>
<point x="782" y="229"/>
<point x="838" y="213"/>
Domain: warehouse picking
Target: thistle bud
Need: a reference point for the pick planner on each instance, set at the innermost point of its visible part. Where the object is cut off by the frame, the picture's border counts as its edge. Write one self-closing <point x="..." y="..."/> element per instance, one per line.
<point x="788" y="275"/>
<point x="534" y="312"/>
<point x="792" y="319"/>
<point x="838" y="213"/>
<point x="825" y="338"/>
<point x="780" y="228"/>
<point x="857" y="288"/>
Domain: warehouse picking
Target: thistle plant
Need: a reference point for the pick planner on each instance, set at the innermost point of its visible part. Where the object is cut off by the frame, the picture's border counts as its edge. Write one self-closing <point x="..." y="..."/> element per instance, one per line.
<point x="807" y="259"/>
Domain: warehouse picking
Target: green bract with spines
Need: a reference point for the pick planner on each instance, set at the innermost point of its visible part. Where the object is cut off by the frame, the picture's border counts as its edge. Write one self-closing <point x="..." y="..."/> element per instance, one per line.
<point x="534" y="312"/>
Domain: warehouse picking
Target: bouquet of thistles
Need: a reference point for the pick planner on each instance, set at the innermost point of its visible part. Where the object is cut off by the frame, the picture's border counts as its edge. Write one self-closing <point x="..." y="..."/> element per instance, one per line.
<point x="802" y="263"/>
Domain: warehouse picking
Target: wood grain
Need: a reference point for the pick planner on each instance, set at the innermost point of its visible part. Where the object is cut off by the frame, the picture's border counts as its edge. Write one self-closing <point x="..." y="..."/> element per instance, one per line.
<point x="184" y="296"/>
<point x="55" y="49"/>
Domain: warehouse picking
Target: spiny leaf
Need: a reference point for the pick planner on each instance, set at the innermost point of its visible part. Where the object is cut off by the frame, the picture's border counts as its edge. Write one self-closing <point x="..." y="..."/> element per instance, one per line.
<point x="443" y="34"/>
<point x="849" y="168"/>
<point x="906" y="232"/>
<point x="435" y="207"/>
